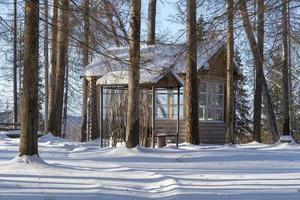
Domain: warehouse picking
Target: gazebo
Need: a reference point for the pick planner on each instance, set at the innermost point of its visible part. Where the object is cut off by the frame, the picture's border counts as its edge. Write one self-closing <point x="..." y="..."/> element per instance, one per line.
<point x="151" y="80"/>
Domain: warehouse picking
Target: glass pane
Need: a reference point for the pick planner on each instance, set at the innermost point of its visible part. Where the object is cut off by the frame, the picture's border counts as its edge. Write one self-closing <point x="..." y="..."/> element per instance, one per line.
<point x="219" y="89"/>
<point x="203" y="87"/>
<point x="211" y="88"/>
<point x="220" y="101"/>
<point x="211" y="99"/>
<point x="201" y="113"/>
<point x="211" y="114"/>
<point x="203" y="100"/>
<point x="219" y="114"/>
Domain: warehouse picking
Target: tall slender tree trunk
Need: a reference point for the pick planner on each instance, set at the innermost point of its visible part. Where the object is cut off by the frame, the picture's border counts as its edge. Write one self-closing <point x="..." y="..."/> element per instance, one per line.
<point x="132" y="127"/>
<point x="151" y="22"/>
<point x="46" y="55"/>
<point x="109" y="13"/>
<point x="285" y="69"/>
<point x="52" y="74"/>
<point x="191" y="82"/>
<point x="229" y="77"/>
<point x="261" y="88"/>
<point x="61" y="64"/>
<point x="85" y="63"/>
<point x="29" y="105"/>
<point x="15" y="86"/>
<point x="65" y="105"/>
<point x="290" y="70"/>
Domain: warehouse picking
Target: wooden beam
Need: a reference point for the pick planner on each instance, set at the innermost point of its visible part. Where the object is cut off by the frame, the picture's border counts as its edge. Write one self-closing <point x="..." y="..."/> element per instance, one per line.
<point x="153" y="116"/>
<point x="178" y="116"/>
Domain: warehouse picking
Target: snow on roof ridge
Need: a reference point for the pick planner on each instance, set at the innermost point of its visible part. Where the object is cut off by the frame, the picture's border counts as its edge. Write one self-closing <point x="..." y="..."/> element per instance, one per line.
<point x="159" y="55"/>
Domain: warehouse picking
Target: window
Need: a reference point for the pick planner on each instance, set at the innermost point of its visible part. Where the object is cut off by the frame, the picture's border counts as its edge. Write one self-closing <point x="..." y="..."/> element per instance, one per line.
<point x="166" y="104"/>
<point x="211" y="100"/>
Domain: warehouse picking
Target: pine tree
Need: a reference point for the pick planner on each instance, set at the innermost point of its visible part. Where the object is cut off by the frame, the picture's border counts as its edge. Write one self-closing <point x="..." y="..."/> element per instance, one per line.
<point x="242" y="103"/>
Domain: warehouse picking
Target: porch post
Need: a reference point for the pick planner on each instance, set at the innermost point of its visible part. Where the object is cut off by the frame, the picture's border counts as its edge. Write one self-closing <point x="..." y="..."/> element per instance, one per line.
<point x="94" y="109"/>
<point x="178" y="116"/>
<point x="101" y="117"/>
<point x="153" y="116"/>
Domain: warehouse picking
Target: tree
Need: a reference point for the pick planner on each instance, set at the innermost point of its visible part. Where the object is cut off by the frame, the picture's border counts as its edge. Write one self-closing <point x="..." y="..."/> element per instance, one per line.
<point x="15" y="86"/>
<point x="151" y="22"/>
<point x="242" y="119"/>
<point x="85" y="63"/>
<point x="51" y="103"/>
<point x="191" y="82"/>
<point x="61" y="64"/>
<point x="29" y="104"/>
<point x="132" y="127"/>
<point x="285" y="71"/>
<point x="46" y="65"/>
<point x="260" y="81"/>
<point x="229" y="75"/>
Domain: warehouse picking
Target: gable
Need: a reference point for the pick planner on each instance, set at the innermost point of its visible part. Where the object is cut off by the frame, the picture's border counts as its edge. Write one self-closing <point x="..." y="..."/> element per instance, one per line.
<point x="216" y="67"/>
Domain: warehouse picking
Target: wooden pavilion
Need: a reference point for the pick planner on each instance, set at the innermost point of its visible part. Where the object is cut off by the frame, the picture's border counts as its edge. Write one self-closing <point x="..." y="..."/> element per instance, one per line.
<point x="162" y="75"/>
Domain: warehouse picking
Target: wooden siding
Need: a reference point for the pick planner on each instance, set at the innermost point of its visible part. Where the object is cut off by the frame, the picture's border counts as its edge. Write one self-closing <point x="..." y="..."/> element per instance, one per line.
<point x="209" y="132"/>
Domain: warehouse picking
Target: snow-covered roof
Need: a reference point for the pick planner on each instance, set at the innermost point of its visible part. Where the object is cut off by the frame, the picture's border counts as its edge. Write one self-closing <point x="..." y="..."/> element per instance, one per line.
<point x="172" y="56"/>
<point x="148" y="77"/>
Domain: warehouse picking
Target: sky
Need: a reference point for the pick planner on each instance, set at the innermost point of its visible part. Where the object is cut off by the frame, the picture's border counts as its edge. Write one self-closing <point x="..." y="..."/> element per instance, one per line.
<point x="165" y="11"/>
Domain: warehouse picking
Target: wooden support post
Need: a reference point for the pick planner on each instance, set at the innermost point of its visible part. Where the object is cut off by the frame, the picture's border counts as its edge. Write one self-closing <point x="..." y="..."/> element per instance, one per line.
<point x="178" y="116"/>
<point x="101" y="117"/>
<point x="94" y="109"/>
<point x="153" y="116"/>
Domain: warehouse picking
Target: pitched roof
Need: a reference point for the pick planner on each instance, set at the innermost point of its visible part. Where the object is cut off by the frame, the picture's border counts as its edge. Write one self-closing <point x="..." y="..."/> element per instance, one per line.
<point x="154" y="57"/>
<point x="148" y="77"/>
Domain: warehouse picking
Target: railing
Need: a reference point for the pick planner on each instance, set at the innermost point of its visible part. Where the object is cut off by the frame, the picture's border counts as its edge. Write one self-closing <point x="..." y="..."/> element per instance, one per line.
<point x="9" y="126"/>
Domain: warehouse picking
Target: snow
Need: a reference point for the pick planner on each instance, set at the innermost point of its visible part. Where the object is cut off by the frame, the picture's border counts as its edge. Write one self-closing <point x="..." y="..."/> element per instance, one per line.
<point x="147" y="76"/>
<point x="66" y="169"/>
<point x="168" y="56"/>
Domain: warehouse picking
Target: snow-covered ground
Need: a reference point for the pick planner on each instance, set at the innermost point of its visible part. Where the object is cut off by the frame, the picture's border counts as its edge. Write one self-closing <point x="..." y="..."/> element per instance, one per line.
<point x="70" y="170"/>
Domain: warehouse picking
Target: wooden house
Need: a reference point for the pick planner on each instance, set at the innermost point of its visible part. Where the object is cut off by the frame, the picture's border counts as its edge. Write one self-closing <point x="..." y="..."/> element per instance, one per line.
<point x="163" y="75"/>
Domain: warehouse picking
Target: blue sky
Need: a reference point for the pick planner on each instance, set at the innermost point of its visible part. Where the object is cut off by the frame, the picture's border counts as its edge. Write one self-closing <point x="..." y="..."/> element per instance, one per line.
<point x="166" y="9"/>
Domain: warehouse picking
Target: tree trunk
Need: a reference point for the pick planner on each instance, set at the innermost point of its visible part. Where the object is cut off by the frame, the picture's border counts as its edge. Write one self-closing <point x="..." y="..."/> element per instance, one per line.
<point x="270" y="110"/>
<point x="191" y="82"/>
<point x="260" y="79"/>
<point x="229" y="77"/>
<point x="109" y="13"/>
<point x="151" y="22"/>
<point x="46" y="65"/>
<point x="285" y="69"/>
<point x="52" y="81"/>
<point x="132" y="127"/>
<point x="65" y="111"/>
<point x="85" y="63"/>
<point x="29" y="104"/>
<point x="15" y="86"/>
<point x="61" y="64"/>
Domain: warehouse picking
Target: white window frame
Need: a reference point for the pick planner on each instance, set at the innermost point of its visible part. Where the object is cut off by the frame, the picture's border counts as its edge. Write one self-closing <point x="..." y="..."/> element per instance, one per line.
<point x="214" y="108"/>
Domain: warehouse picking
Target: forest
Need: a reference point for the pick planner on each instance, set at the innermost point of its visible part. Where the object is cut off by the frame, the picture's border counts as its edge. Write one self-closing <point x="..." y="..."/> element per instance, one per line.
<point x="123" y="77"/>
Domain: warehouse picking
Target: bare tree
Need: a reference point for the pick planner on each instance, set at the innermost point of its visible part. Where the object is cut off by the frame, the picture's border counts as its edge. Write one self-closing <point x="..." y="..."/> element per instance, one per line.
<point x="151" y="22"/>
<point x="46" y="64"/>
<point x="229" y="75"/>
<point x="52" y="82"/>
<point x="260" y="83"/>
<point x="61" y="64"/>
<point x="132" y="128"/>
<point x="191" y="82"/>
<point x="29" y="105"/>
<point x="285" y="70"/>
<point x="15" y="86"/>
<point x="85" y="62"/>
